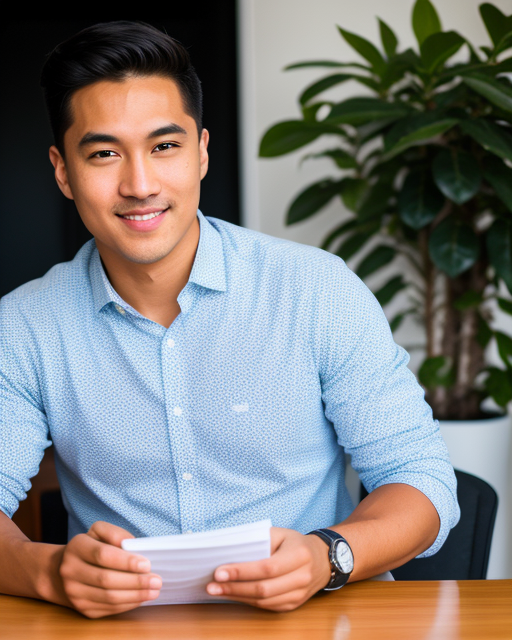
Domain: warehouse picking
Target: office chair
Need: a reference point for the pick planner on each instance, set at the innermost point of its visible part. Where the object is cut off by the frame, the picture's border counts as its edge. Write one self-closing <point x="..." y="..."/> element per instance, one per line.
<point x="465" y="553"/>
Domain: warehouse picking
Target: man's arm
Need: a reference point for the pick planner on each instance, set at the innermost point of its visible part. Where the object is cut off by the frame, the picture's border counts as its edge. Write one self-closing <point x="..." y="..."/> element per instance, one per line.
<point x="393" y="524"/>
<point x="91" y="573"/>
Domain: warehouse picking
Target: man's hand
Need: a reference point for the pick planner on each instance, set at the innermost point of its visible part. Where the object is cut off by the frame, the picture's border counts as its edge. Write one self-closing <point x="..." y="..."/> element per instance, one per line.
<point x="99" y="578"/>
<point x="296" y="570"/>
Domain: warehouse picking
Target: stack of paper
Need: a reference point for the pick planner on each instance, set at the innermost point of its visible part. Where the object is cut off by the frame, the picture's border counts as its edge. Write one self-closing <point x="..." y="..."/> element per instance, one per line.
<point x="186" y="562"/>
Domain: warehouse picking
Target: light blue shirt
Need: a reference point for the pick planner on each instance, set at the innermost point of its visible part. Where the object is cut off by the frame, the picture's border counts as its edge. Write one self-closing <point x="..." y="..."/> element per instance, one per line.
<point x="280" y="361"/>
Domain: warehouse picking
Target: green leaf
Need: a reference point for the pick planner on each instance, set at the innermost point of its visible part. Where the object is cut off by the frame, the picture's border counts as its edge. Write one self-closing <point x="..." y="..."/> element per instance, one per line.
<point x="453" y="246"/>
<point x="499" y="248"/>
<point x="290" y="135"/>
<point x="342" y="159"/>
<point x="337" y="232"/>
<point x="425" y="20"/>
<point x="375" y="200"/>
<point x="322" y="85"/>
<point x="388" y="38"/>
<point x="366" y="49"/>
<point x="495" y="91"/>
<point x="468" y="300"/>
<point x="325" y="63"/>
<point x="420" y="136"/>
<point x="504" y="343"/>
<point x="499" y="385"/>
<point x="457" y="174"/>
<point x="484" y="332"/>
<point x="379" y="257"/>
<point x="496" y="22"/>
<point x="438" y="48"/>
<point x="386" y="293"/>
<point x="437" y="371"/>
<point x="311" y="200"/>
<point x="358" y="111"/>
<point x="419" y="201"/>
<point x="505" y="305"/>
<point x="398" y="319"/>
<point x="491" y="136"/>
<point x="499" y="176"/>
<point x="352" y="192"/>
<point x="353" y="244"/>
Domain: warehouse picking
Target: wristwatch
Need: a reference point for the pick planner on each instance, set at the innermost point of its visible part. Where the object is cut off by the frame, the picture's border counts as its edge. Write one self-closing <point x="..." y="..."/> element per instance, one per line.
<point x="340" y="557"/>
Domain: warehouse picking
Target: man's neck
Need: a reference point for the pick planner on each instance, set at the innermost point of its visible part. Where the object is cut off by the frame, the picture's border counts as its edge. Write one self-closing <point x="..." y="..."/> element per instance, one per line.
<point x="153" y="289"/>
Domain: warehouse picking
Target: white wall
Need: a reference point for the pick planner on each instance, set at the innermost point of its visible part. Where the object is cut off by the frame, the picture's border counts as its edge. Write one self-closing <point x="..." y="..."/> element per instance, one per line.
<point x="275" y="33"/>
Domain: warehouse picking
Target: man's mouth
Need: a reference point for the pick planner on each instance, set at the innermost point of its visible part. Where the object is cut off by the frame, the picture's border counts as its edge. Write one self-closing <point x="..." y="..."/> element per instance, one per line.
<point x="146" y="216"/>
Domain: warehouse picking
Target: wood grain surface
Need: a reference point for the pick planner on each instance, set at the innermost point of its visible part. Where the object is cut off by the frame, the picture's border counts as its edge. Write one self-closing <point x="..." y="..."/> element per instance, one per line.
<point x="446" y="610"/>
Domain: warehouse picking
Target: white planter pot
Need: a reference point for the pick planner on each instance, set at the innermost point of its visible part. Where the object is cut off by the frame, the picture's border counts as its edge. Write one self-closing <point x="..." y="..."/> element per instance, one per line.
<point x="483" y="448"/>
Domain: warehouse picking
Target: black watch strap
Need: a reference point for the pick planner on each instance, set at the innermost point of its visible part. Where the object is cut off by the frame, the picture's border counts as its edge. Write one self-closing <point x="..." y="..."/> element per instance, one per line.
<point x="338" y="578"/>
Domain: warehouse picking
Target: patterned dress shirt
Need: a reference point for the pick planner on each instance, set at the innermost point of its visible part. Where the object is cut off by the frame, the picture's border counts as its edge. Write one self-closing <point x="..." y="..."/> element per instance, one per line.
<point x="280" y="361"/>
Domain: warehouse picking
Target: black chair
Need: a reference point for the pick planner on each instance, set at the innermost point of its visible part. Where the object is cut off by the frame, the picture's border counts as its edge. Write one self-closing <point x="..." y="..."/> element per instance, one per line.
<point x="465" y="553"/>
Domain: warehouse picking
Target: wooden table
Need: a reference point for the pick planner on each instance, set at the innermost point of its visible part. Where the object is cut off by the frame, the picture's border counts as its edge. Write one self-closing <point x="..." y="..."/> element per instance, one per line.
<point x="446" y="610"/>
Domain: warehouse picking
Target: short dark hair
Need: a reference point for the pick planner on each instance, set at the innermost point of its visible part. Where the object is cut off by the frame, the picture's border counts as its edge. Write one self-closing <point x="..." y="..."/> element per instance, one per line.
<point x="115" y="51"/>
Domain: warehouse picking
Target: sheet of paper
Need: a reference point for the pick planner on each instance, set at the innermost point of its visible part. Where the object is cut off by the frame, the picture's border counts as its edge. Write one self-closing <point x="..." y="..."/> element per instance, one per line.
<point x="186" y="562"/>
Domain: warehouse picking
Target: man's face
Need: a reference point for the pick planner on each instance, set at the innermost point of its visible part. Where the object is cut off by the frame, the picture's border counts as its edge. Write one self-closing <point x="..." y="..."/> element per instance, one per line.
<point x="132" y="150"/>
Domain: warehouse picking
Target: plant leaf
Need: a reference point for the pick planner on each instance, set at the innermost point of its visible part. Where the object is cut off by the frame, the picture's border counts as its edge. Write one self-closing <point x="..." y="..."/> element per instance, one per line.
<point x="337" y="232"/>
<point x="496" y="22"/>
<point x="322" y="85"/>
<point x="499" y="385"/>
<point x="386" y="293"/>
<point x="453" y="246"/>
<point x="352" y="192"/>
<point x="504" y="343"/>
<point x="491" y="136"/>
<point x="421" y="135"/>
<point x="379" y="257"/>
<point x="353" y="244"/>
<point x="375" y="200"/>
<point x="484" y="332"/>
<point x="439" y="47"/>
<point x="437" y="371"/>
<point x="311" y="200"/>
<point x="425" y="20"/>
<point x="358" y="111"/>
<point x="366" y="49"/>
<point x="505" y="305"/>
<point x="342" y="159"/>
<point x="388" y="38"/>
<point x="456" y="174"/>
<point x="499" y="248"/>
<point x="290" y="135"/>
<point x="468" y="300"/>
<point x="496" y="92"/>
<point x="419" y="201"/>
<point x="325" y="63"/>
<point x="499" y="176"/>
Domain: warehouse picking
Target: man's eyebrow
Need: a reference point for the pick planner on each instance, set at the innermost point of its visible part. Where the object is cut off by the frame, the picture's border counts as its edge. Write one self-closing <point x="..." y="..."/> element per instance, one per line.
<point x="94" y="138"/>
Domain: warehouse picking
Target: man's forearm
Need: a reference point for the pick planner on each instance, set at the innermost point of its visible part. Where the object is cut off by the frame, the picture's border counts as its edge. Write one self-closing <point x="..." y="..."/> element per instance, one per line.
<point x="29" y="569"/>
<point x="392" y="525"/>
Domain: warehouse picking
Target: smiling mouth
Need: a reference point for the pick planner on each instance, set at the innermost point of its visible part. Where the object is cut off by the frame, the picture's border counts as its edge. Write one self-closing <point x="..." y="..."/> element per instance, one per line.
<point x="146" y="216"/>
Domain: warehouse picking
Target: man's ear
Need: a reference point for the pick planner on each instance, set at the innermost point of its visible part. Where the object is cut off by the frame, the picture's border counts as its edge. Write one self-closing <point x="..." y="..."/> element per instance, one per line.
<point x="203" y="152"/>
<point x="61" y="174"/>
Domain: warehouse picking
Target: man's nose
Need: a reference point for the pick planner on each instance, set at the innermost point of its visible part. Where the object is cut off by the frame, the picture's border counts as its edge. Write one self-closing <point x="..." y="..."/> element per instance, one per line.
<point x="139" y="179"/>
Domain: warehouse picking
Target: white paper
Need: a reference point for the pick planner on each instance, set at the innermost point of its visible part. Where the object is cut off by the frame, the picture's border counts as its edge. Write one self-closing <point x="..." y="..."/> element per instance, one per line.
<point x="186" y="562"/>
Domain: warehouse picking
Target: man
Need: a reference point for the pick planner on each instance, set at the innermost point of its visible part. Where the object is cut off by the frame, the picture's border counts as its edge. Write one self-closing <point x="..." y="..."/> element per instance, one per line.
<point x="192" y="374"/>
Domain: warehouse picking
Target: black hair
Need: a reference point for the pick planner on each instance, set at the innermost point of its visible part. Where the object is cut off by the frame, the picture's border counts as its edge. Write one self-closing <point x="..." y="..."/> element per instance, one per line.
<point x="114" y="51"/>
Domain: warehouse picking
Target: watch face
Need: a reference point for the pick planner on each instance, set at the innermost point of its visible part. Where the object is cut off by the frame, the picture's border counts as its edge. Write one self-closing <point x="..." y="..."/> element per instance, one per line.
<point x="344" y="557"/>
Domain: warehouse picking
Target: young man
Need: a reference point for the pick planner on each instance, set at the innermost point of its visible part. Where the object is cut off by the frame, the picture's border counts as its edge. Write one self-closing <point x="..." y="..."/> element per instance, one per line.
<point x="192" y="374"/>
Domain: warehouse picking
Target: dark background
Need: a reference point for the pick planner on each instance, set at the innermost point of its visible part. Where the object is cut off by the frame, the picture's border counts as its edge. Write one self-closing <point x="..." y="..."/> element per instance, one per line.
<point x="39" y="227"/>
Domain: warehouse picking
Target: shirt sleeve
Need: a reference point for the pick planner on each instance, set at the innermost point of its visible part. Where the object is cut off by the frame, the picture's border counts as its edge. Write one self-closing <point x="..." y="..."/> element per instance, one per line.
<point x="374" y="401"/>
<point x="23" y="424"/>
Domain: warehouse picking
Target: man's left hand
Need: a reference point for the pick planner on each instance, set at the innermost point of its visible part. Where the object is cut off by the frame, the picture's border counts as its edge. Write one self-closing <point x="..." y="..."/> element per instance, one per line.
<point x="297" y="568"/>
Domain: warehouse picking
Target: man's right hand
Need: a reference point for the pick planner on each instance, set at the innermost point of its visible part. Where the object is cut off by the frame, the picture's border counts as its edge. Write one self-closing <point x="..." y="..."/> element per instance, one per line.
<point x="99" y="578"/>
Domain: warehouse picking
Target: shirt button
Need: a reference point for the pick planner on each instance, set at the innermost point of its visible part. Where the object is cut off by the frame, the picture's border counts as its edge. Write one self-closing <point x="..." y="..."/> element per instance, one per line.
<point x="120" y="309"/>
<point x="178" y="411"/>
<point x="187" y="476"/>
<point x="170" y="342"/>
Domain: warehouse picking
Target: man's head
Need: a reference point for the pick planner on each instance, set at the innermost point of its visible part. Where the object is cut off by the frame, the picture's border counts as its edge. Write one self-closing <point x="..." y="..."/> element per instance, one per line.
<point x="126" y="110"/>
<point x="115" y="51"/>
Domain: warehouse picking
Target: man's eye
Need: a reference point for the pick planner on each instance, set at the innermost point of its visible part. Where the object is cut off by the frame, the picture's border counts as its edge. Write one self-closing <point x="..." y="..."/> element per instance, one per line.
<point x="164" y="146"/>
<point x="104" y="153"/>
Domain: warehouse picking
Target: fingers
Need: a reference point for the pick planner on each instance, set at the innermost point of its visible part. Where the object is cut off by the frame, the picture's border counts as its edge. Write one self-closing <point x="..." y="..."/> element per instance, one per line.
<point x="115" y="597"/>
<point x="111" y="579"/>
<point x="109" y="533"/>
<point x="264" y="589"/>
<point x="102" y="554"/>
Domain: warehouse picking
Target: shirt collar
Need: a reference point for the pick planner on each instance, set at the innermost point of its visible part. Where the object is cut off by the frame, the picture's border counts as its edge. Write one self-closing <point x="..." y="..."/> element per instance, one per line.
<point x="208" y="270"/>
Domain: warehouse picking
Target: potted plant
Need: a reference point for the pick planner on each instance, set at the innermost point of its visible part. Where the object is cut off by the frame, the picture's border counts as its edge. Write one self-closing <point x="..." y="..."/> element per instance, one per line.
<point x="423" y="161"/>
